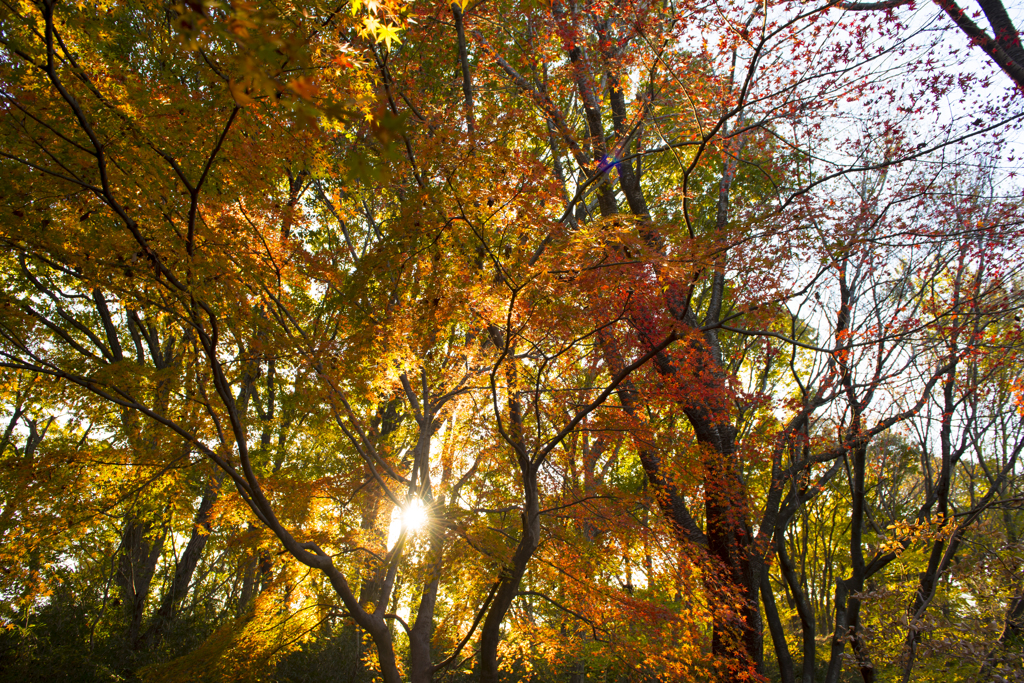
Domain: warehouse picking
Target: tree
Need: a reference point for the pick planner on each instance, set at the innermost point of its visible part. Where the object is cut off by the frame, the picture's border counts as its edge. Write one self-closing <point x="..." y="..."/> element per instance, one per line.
<point x="525" y="278"/>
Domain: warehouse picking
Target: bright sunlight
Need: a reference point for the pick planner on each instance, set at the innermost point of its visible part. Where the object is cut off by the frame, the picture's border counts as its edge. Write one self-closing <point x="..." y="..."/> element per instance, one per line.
<point x="414" y="515"/>
<point x="411" y="517"/>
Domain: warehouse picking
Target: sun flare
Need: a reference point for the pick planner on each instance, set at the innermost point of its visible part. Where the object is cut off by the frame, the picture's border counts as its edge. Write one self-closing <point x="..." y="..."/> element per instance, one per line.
<point x="414" y="515"/>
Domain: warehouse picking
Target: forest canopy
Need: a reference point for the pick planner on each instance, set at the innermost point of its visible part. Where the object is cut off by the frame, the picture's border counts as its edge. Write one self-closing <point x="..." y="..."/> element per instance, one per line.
<point x="508" y="340"/>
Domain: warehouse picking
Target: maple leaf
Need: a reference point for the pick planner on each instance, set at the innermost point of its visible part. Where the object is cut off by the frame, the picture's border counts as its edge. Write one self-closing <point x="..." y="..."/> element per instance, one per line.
<point x="304" y="88"/>
<point x="239" y="93"/>
<point x="388" y="34"/>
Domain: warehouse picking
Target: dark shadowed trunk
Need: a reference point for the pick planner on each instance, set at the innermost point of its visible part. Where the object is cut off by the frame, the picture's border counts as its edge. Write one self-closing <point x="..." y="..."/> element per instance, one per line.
<point x="141" y="545"/>
<point x="771" y="615"/>
<point x="186" y="566"/>
<point x="803" y="610"/>
<point x="512" y="573"/>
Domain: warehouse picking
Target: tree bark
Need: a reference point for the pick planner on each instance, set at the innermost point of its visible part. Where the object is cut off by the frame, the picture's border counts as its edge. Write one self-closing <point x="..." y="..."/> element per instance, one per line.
<point x="803" y="609"/>
<point x="186" y="566"/>
<point x="141" y="546"/>
<point x="771" y="614"/>
<point x="529" y="539"/>
<point x="847" y="591"/>
<point x="508" y="586"/>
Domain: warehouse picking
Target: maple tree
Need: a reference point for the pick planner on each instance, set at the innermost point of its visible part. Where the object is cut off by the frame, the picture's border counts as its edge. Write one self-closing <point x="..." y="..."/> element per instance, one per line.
<point x="507" y="340"/>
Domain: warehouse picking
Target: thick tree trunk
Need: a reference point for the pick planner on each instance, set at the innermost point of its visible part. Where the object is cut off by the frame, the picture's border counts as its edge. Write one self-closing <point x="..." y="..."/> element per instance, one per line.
<point x="421" y="665"/>
<point x="839" y="634"/>
<point x="736" y="637"/>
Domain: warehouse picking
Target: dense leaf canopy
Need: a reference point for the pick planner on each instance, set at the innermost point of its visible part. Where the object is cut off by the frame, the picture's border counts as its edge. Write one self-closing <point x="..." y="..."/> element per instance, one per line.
<point x="504" y="340"/>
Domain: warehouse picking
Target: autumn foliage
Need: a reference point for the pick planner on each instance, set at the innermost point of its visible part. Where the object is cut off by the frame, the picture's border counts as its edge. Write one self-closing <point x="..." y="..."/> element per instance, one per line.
<point x="504" y="340"/>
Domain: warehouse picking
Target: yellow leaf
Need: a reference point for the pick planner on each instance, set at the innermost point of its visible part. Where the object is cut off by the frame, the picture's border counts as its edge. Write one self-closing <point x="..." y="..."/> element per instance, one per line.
<point x="238" y="92"/>
<point x="386" y="34"/>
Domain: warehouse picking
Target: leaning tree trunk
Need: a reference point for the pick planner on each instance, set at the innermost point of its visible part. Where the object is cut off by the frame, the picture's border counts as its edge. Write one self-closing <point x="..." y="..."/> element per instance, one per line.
<point x="186" y="567"/>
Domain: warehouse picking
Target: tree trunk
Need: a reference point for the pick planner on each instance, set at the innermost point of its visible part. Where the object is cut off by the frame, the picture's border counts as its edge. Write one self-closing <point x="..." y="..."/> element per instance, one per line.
<point x="771" y="614"/>
<point x="140" y="551"/>
<point x="508" y="587"/>
<point x="186" y="567"/>
<point x="847" y="591"/>
<point x="421" y="665"/>
<point x="803" y="610"/>
<point x="512" y="574"/>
